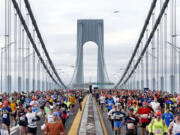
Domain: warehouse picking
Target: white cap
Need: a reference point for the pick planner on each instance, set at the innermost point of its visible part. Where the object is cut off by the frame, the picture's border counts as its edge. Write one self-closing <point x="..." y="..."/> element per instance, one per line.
<point x="51" y="107"/>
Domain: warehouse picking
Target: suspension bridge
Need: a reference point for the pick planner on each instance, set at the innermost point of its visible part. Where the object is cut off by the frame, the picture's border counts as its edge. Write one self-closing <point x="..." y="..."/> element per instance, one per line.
<point x="154" y="63"/>
<point x="26" y="64"/>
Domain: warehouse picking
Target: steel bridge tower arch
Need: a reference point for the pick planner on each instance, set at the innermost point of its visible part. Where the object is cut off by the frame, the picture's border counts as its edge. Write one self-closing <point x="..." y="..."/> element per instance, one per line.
<point x="90" y="30"/>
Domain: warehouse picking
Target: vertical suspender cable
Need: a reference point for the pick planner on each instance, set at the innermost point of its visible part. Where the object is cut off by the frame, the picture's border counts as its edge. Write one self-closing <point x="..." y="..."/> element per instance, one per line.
<point x="153" y="5"/>
<point x="42" y="42"/>
<point x="31" y="39"/>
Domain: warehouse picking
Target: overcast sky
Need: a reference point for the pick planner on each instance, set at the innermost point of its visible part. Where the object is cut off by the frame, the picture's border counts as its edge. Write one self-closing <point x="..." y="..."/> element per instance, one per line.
<point x="58" y="24"/>
<point x="57" y="20"/>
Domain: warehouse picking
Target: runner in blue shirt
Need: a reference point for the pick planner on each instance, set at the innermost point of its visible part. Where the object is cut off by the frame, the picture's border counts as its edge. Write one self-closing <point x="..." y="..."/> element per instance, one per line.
<point x="109" y="103"/>
<point x="168" y="117"/>
<point x="6" y="111"/>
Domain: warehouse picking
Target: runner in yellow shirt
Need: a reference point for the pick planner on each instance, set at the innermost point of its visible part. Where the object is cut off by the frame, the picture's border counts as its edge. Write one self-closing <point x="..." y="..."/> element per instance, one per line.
<point x="157" y="125"/>
<point x="72" y="99"/>
<point x="14" y="110"/>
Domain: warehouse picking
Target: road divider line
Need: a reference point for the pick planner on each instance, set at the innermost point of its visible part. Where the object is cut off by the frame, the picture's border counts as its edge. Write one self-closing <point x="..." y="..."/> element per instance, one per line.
<point x="102" y="121"/>
<point x="76" y="123"/>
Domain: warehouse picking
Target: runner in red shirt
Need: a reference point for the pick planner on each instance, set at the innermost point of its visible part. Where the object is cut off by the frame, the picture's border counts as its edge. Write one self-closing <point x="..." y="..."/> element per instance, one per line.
<point x="144" y="113"/>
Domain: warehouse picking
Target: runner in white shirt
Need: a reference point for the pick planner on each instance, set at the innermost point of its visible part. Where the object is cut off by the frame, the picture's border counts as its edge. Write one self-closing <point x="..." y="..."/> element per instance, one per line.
<point x="174" y="127"/>
<point x="32" y="118"/>
<point x="102" y="101"/>
<point x="116" y="100"/>
<point x="155" y="105"/>
<point x="50" y="116"/>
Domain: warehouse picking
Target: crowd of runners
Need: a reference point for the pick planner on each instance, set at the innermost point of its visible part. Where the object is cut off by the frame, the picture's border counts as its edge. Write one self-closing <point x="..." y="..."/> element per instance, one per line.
<point x="155" y="112"/>
<point x="24" y="110"/>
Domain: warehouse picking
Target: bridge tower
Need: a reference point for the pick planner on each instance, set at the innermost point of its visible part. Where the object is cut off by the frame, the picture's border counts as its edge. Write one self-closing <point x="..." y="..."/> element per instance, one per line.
<point x="90" y="30"/>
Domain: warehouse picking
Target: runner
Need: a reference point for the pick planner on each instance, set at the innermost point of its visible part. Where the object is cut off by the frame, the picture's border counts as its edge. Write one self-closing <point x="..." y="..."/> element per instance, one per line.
<point x="55" y="128"/>
<point x="157" y="125"/>
<point x="72" y="99"/>
<point x="14" y="111"/>
<point x="111" y="116"/>
<point x="6" y="112"/>
<point x="168" y="117"/>
<point x="174" y="128"/>
<point x="49" y="118"/>
<point x="155" y="105"/>
<point x="109" y="103"/>
<point x="118" y="119"/>
<point x="102" y="100"/>
<point x="32" y="118"/>
<point x="131" y="122"/>
<point x="80" y="101"/>
<point x="22" y="120"/>
<point x="145" y="114"/>
<point x="68" y="105"/>
<point x="47" y="109"/>
<point x="42" y="103"/>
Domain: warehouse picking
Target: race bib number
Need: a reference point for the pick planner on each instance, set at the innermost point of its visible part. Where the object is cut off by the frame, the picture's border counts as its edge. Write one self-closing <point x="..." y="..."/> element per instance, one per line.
<point x="118" y="117"/>
<point x="5" y="115"/>
<point x="144" y="116"/>
<point x="22" y="118"/>
<point x="157" y="131"/>
<point x="110" y="104"/>
<point x="130" y="126"/>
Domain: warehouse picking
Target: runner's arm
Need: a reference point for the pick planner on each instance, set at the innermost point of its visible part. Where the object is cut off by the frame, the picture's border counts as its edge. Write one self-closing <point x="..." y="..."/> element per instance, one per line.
<point x="170" y="128"/>
<point x="165" y="127"/>
<point x="46" y="130"/>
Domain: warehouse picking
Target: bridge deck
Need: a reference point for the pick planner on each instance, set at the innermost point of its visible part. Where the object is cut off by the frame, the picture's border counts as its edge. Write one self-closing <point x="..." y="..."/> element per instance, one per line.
<point x="90" y="121"/>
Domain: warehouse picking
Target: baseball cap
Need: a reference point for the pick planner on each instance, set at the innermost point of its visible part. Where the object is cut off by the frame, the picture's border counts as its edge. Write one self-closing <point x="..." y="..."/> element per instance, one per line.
<point x="27" y="106"/>
<point x="144" y="103"/>
<point x="131" y="109"/>
<point x="158" y="113"/>
<point x="51" y="107"/>
<point x="55" y="114"/>
<point x="5" y="102"/>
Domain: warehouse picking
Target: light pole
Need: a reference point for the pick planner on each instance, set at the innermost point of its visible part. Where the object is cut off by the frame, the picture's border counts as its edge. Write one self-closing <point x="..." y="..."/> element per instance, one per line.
<point x="153" y="53"/>
<point x="157" y="61"/>
<point x="23" y="62"/>
<point x="27" y="76"/>
<point x="177" y="49"/>
<point x="1" y="68"/>
<point x="142" y="70"/>
<point x="147" y="63"/>
<point x="153" y="79"/>
<point x="2" y="62"/>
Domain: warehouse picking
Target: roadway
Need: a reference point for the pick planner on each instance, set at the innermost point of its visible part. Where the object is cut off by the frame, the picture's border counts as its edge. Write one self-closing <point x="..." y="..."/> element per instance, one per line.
<point x="91" y="121"/>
